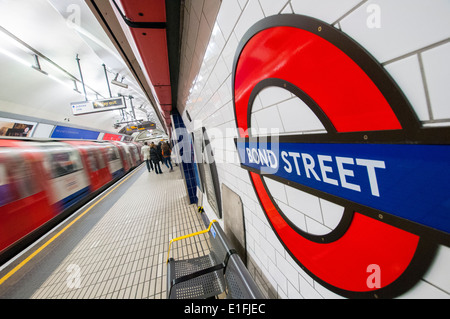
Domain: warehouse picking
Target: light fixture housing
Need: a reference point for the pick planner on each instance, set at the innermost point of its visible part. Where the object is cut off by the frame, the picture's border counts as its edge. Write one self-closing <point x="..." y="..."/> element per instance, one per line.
<point x="119" y="84"/>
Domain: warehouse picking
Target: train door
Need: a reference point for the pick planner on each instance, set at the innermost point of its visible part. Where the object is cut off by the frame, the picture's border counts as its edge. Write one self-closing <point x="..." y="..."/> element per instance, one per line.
<point x="114" y="161"/>
<point x="125" y="155"/>
<point x="25" y="202"/>
<point x="68" y="178"/>
<point x="94" y="162"/>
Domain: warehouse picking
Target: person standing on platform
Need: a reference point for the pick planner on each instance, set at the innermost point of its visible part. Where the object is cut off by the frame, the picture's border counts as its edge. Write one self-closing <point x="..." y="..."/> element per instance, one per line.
<point x="158" y="148"/>
<point x="145" y="151"/>
<point x="166" y="152"/>
<point x="155" y="158"/>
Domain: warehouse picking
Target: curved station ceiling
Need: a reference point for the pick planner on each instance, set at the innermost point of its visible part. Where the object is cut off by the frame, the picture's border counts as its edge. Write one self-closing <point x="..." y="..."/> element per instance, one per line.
<point x="56" y="53"/>
<point x="152" y="29"/>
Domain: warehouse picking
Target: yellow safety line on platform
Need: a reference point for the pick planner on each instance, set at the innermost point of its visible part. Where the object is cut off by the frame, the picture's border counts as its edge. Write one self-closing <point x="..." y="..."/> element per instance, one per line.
<point x="37" y="251"/>
<point x="189" y="235"/>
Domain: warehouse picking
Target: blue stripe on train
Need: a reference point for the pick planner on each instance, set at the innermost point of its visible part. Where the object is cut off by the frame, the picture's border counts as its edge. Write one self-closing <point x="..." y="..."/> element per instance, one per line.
<point x="118" y="173"/>
<point x="75" y="197"/>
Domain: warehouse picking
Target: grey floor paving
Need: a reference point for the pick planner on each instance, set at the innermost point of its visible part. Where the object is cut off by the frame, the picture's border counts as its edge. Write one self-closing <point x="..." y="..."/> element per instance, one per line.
<point x="124" y="254"/>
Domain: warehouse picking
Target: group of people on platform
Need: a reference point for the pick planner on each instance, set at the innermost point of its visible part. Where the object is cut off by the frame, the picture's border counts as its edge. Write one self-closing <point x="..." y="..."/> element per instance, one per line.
<point x="153" y="154"/>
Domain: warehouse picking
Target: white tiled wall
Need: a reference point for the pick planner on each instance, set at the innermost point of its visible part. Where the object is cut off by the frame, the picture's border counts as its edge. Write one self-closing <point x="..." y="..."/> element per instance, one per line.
<point x="412" y="43"/>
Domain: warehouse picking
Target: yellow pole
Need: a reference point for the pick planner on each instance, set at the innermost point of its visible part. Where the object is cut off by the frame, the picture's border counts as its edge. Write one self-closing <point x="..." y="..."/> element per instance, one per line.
<point x="187" y="236"/>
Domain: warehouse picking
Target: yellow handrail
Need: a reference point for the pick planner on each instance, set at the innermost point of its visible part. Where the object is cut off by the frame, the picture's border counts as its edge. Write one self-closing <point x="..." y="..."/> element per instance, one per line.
<point x="189" y="235"/>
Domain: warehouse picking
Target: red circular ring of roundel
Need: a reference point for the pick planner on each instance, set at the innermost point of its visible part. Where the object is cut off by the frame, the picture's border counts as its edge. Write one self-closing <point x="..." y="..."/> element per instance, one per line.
<point x="354" y="94"/>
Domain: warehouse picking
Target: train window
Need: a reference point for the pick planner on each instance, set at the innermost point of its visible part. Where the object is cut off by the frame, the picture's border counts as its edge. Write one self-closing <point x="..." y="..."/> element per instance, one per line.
<point x="113" y="153"/>
<point x="5" y="192"/>
<point x="134" y="152"/>
<point x="63" y="163"/>
<point x="23" y="176"/>
<point x="60" y="159"/>
<point x="17" y="181"/>
<point x="100" y="158"/>
<point x="92" y="161"/>
<point x="3" y="176"/>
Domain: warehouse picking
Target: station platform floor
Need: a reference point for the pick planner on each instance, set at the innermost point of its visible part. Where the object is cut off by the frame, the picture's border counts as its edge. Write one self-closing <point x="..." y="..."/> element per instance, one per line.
<point x="113" y="247"/>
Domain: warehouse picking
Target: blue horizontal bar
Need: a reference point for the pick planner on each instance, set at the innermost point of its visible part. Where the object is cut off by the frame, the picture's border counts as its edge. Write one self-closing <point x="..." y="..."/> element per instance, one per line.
<point x="410" y="181"/>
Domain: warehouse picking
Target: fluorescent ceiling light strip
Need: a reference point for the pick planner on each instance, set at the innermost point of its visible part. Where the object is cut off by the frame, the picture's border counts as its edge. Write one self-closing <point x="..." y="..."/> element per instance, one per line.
<point x="16" y="58"/>
<point x="27" y="48"/>
<point x="62" y="83"/>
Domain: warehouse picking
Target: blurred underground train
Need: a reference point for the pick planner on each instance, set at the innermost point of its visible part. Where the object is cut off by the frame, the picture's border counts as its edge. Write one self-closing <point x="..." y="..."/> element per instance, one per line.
<point x="41" y="182"/>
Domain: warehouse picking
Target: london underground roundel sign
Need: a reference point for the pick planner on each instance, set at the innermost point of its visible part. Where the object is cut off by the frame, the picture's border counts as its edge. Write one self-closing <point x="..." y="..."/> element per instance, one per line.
<point x="375" y="159"/>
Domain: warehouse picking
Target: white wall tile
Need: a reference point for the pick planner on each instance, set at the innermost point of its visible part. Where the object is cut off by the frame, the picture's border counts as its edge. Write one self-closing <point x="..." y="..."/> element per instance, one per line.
<point x="269" y="118"/>
<point x="293" y="293"/>
<point x="228" y="15"/>
<point x="308" y="291"/>
<point x="293" y="215"/>
<point x="215" y="45"/>
<point x="437" y="71"/>
<point x="438" y="273"/>
<point x="423" y="290"/>
<point x="326" y="10"/>
<point x="276" y="189"/>
<point x="272" y="95"/>
<point x="304" y="202"/>
<point x="271" y="7"/>
<point x="298" y="117"/>
<point x="402" y="26"/>
<point x="287" y="9"/>
<point x="274" y="241"/>
<point x="278" y="276"/>
<point x="407" y="75"/>
<point x="229" y="51"/>
<point x="242" y="3"/>
<point x="331" y="212"/>
<point x="288" y="270"/>
<point x="316" y="228"/>
<point x="325" y="293"/>
<point x="251" y="14"/>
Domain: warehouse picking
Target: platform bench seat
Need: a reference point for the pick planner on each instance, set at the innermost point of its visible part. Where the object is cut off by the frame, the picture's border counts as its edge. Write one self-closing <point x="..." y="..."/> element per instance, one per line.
<point x="221" y="272"/>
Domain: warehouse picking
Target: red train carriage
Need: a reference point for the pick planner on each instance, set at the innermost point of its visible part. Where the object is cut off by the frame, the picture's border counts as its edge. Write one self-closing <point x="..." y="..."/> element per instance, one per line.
<point x="125" y="154"/>
<point x="25" y="199"/>
<point x="39" y="180"/>
<point x="135" y="156"/>
<point x="67" y="177"/>
<point x="139" y="147"/>
<point x="94" y="159"/>
<point x="114" y="159"/>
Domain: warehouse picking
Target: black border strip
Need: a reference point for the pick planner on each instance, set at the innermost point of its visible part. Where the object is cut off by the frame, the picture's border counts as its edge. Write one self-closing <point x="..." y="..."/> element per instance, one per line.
<point x="139" y="25"/>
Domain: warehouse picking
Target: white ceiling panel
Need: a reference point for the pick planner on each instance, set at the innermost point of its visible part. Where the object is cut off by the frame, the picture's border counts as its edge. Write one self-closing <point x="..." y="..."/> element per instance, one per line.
<point x="59" y="31"/>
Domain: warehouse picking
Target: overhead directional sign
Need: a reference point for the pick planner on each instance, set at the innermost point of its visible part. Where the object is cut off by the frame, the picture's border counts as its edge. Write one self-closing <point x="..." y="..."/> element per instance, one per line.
<point x="87" y="107"/>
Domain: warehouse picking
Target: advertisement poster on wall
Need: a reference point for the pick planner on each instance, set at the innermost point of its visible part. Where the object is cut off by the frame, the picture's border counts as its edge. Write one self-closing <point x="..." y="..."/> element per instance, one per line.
<point x="11" y="127"/>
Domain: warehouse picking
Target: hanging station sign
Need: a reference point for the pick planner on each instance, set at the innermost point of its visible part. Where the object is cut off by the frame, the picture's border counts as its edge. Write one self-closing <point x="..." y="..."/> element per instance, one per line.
<point x="87" y="107"/>
<point x="132" y="128"/>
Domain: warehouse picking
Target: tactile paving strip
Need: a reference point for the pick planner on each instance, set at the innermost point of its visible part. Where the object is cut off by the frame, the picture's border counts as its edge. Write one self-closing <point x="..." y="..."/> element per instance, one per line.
<point x="124" y="254"/>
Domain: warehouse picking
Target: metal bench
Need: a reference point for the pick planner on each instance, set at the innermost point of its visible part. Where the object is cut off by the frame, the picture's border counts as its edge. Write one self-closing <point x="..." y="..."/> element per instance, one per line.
<point x="221" y="272"/>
